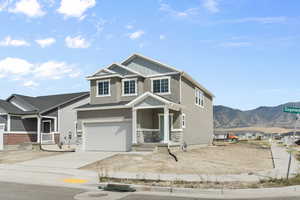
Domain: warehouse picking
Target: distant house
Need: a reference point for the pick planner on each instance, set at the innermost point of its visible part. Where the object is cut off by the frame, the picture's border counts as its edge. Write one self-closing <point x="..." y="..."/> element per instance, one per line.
<point x="45" y="119"/>
<point x="141" y="100"/>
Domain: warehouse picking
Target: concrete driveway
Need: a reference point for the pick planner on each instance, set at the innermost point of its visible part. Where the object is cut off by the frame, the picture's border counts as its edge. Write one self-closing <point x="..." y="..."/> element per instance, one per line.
<point x="72" y="160"/>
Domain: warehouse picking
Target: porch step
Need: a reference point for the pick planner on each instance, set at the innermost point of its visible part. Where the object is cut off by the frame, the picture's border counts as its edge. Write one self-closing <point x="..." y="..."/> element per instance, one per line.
<point x="144" y="147"/>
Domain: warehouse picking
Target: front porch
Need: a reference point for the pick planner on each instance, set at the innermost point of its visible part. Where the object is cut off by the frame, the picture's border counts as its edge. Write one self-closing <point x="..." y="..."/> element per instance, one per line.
<point x="156" y="120"/>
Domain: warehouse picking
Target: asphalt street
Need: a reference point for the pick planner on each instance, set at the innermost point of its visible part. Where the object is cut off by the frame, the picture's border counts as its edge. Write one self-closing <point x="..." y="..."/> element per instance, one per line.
<point x="14" y="191"/>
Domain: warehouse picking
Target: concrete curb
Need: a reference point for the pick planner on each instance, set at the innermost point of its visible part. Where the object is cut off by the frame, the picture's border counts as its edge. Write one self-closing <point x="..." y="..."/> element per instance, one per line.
<point x="237" y="193"/>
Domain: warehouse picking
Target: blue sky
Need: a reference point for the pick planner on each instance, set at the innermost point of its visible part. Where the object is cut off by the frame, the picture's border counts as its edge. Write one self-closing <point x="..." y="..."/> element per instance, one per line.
<point x="245" y="51"/>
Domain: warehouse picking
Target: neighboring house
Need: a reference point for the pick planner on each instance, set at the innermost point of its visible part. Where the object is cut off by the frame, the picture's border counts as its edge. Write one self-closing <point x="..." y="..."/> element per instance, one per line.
<point x="144" y="101"/>
<point x="39" y="119"/>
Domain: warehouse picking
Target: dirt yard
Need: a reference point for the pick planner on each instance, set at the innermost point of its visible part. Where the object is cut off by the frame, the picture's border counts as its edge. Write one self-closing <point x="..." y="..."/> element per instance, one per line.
<point x="218" y="160"/>
<point x="11" y="157"/>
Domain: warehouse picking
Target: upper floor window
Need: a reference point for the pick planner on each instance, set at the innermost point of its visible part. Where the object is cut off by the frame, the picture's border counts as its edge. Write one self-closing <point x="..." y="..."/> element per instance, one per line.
<point x="161" y="85"/>
<point x="199" y="96"/>
<point x="129" y="87"/>
<point x="103" y="87"/>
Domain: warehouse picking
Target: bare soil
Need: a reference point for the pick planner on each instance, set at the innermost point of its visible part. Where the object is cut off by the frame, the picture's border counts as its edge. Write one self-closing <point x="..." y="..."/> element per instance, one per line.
<point x="216" y="160"/>
<point x="12" y="157"/>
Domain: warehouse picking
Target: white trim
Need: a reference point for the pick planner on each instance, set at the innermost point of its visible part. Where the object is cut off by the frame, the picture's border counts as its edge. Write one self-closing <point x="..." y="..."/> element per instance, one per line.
<point x="8" y="123"/>
<point x="97" y="87"/>
<point x="127" y="68"/>
<point x="20" y="132"/>
<point x="161" y="78"/>
<point x="105" y="121"/>
<point x="3" y="113"/>
<point x="136" y="89"/>
<point x="29" y="116"/>
<point x="134" y="127"/>
<point x="102" y="108"/>
<point x="164" y="74"/>
<point x="148" y="107"/>
<point x="176" y="130"/>
<point x="180" y="89"/>
<point x="149" y="59"/>
<point x="145" y="95"/>
<point x="172" y="120"/>
<point x="199" y="94"/>
<point x="147" y="129"/>
<point x="100" y="77"/>
<point x="18" y="106"/>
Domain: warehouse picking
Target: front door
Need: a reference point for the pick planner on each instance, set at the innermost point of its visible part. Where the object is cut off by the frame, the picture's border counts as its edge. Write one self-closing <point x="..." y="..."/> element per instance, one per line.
<point x="162" y="126"/>
<point x="46" y="126"/>
<point x="2" y="128"/>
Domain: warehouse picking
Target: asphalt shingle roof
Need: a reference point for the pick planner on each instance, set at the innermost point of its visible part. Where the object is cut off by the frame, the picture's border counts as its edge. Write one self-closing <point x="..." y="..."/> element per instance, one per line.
<point x="120" y="103"/>
<point x="40" y="103"/>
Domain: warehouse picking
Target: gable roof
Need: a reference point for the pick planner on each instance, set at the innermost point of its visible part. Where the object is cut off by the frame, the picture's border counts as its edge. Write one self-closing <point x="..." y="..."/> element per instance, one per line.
<point x="9" y="108"/>
<point x="184" y="74"/>
<point x="43" y="104"/>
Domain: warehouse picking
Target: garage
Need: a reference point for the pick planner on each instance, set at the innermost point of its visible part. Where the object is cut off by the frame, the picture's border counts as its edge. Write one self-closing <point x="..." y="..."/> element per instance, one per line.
<point x="107" y="136"/>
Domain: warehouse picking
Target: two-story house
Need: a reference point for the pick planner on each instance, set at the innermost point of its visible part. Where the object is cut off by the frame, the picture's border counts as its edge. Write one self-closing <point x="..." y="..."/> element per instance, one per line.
<point x="144" y="101"/>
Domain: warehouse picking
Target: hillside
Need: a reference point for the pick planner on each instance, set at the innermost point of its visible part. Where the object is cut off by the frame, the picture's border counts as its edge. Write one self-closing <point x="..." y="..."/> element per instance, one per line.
<point x="225" y="117"/>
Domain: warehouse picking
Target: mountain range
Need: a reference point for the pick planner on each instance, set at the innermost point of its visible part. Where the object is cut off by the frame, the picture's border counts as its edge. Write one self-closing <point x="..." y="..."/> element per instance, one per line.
<point x="226" y="117"/>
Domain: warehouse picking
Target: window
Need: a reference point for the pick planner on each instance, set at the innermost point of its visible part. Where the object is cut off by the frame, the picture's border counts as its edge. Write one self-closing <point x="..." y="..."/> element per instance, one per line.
<point x="199" y="97"/>
<point x="161" y="85"/>
<point x="103" y="87"/>
<point x="129" y="87"/>
<point x="183" y="120"/>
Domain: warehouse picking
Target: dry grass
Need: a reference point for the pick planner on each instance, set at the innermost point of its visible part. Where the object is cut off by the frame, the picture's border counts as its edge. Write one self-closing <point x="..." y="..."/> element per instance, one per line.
<point x="258" y="129"/>
<point x="218" y="160"/>
<point x="11" y="157"/>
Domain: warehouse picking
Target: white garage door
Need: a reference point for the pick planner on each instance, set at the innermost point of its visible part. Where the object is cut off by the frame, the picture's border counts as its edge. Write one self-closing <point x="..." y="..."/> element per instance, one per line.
<point x="107" y="136"/>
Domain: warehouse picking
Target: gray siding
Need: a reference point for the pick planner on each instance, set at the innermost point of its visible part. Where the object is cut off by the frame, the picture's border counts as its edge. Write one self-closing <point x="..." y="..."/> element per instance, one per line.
<point x="19" y="124"/>
<point x="3" y="120"/>
<point x="51" y="113"/>
<point x="199" y="121"/>
<point x="147" y="68"/>
<point x="68" y="117"/>
<point x="174" y="85"/>
<point x="143" y="85"/>
<point x="103" y="115"/>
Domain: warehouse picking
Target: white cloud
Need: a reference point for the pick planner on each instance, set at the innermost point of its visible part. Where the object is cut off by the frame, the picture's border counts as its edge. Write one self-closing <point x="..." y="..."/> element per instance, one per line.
<point x="15" y="67"/>
<point x="8" y="41"/>
<point x="45" y="42"/>
<point x="162" y="37"/>
<point x="76" y="42"/>
<point x="186" y="13"/>
<point x="30" y="84"/>
<point x="129" y="27"/>
<point x="211" y="5"/>
<point x="263" y="20"/>
<point x="52" y="70"/>
<point x="30" y="73"/>
<point x="236" y="44"/>
<point x="137" y="34"/>
<point x="75" y="8"/>
<point x="31" y="8"/>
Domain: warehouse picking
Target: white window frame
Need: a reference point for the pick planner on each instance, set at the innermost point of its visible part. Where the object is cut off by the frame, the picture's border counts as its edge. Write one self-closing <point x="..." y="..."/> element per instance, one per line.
<point x="183" y="120"/>
<point x="200" y="95"/>
<point x="123" y="85"/>
<point x="103" y="95"/>
<point x="160" y="78"/>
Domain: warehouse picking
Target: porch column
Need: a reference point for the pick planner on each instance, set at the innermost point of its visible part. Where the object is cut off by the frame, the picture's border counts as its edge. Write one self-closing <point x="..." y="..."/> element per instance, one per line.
<point x="8" y="123"/>
<point x="38" y="129"/>
<point x="166" y="125"/>
<point x="134" y="134"/>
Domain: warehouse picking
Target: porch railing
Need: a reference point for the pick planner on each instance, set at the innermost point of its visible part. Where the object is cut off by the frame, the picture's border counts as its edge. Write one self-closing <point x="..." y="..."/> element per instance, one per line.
<point x="47" y="138"/>
<point x="148" y="135"/>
